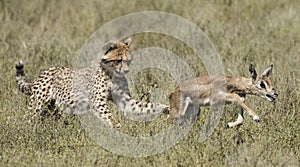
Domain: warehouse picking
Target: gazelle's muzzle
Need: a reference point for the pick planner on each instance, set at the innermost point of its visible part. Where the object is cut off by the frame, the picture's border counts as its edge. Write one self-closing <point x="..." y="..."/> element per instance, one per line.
<point x="271" y="97"/>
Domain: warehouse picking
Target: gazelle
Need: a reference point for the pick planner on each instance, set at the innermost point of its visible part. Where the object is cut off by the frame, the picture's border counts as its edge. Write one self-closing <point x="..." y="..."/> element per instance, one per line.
<point x="200" y="91"/>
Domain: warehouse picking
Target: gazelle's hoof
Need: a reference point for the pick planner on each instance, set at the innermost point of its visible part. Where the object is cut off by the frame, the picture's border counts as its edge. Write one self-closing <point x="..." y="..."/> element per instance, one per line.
<point x="256" y="119"/>
<point x="229" y="125"/>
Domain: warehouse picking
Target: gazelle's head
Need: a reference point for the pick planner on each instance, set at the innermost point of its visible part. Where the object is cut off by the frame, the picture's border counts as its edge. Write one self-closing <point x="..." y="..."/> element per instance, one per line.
<point x="262" y="85"/>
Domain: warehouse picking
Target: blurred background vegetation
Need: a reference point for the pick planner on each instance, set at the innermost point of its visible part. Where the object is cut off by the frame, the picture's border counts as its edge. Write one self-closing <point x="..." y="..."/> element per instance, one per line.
<point x="47" y="33"/>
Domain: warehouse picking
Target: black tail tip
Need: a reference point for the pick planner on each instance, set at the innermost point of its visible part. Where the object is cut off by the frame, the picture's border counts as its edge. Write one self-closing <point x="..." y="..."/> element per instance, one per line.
<point x="20" y="65"/>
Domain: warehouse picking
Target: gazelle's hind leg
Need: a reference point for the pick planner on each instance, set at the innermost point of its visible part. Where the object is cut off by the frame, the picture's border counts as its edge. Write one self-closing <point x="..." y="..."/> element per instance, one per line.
<point x="187" y="101"/>
<point x="239" y="120"/>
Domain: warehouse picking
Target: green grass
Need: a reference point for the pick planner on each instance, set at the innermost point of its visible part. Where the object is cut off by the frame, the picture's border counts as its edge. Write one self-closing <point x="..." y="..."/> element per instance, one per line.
<point x="50" y="33"/>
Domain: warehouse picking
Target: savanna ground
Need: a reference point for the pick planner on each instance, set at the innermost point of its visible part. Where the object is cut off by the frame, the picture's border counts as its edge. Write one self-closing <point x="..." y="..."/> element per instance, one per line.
<point x="50" y="33"/>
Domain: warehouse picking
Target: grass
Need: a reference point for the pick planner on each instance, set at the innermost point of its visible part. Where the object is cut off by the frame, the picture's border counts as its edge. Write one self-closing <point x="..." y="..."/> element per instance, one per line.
<point x="50" y="33"/>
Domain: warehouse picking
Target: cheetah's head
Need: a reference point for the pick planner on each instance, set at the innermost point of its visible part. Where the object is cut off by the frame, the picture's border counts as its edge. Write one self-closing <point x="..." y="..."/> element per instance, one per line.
<point x="116" y="56"/>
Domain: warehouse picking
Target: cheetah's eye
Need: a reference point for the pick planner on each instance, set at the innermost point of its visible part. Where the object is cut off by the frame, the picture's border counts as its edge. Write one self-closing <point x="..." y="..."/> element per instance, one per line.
<point x="116" y="62"/>
<point x="262" y="85"/>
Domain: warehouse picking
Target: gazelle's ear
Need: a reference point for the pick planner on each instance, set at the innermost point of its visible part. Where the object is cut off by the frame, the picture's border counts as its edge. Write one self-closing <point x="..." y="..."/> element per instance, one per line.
<point x="128" y="41"/>
<point x="253" y="72"/>
<point x="268" y="71"/>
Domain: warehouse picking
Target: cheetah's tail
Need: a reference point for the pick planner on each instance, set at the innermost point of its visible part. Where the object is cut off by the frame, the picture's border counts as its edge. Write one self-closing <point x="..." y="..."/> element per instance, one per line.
<point x="20" y="79"/>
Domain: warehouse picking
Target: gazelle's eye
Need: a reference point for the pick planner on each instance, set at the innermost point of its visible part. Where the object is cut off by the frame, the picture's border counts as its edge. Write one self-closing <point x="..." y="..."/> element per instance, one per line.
<point x="262" y="85"/>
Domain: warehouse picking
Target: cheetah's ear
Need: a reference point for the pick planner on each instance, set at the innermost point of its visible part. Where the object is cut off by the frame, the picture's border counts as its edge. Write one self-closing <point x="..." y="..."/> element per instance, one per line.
<point x="108" y="47"/>
<point x="128" y="41"/>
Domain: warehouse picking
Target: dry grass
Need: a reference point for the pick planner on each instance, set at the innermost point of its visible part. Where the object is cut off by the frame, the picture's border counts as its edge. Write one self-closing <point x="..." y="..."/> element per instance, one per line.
<point x="50" y="33"/>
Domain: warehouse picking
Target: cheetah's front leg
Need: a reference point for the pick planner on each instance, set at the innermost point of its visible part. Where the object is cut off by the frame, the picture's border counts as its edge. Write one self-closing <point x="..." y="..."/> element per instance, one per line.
<point x="101" y="110"/>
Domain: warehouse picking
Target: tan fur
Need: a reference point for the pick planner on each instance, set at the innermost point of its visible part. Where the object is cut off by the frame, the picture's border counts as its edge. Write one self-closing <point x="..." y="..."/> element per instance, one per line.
<point x="89" y="89"/>
<point x="199" y="90"/>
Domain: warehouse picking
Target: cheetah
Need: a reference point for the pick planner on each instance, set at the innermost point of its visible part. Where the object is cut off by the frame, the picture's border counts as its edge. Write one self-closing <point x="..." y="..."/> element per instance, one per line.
<point x="88" y="89"/>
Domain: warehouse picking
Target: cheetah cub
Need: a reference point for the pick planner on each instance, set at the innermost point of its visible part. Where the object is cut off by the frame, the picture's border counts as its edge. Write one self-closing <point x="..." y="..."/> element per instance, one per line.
<point x="87" y="89"/>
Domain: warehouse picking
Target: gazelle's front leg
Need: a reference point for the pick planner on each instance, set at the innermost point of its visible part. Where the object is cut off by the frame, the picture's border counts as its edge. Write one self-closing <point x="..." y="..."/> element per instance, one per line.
<point x="231" y="97"/>
<point x="239" y="120"/>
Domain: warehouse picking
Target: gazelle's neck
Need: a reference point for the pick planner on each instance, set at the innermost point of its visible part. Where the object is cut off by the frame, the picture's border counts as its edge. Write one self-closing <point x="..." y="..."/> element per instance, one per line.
<point x="239" y="85"/>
